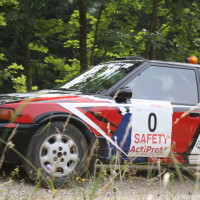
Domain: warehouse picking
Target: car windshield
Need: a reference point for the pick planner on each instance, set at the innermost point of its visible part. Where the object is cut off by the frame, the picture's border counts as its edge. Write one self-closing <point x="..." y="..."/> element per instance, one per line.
<point x="101" y="77"/>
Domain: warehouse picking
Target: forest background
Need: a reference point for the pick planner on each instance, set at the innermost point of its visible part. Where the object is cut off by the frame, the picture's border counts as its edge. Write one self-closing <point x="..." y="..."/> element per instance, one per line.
<point x="46" y="42"/>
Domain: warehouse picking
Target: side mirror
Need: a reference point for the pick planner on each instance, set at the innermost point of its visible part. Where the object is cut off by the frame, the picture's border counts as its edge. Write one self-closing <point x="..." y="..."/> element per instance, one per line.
<point x="122" y="94"/>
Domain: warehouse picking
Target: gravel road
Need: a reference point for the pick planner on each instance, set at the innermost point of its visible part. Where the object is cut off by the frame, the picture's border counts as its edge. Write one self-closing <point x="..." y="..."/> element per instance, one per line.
<point x="133" y="185"/>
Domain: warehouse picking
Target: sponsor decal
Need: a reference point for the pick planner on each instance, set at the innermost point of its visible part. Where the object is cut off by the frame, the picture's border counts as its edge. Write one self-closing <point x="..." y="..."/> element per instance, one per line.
<point x="151" y="128"/>
<point x="74" y="109"/>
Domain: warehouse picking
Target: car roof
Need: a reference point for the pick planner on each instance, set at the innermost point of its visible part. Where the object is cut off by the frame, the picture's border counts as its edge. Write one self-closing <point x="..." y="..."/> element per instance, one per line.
<point x="172" y="63"/>
<point x="140" y="59"/>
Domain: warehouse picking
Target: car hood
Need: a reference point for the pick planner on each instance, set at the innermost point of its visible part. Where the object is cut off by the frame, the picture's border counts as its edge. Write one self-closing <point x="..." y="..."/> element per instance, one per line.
<point x="16" y="97"/>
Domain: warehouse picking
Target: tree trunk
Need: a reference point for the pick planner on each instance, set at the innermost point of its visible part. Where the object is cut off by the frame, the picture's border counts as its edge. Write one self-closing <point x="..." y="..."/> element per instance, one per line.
<point x="153" y="27"/>
<point x="96" y="34"/>
<point x="83" y="36"/>
<point x="26" y="62"/>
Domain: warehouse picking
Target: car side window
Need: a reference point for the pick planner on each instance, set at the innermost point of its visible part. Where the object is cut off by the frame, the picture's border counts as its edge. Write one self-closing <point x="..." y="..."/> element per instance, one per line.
<point x="167" y="84"/>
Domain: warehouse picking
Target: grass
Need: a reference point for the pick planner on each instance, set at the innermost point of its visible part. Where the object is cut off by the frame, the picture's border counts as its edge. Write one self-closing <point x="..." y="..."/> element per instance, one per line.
<point x="155" y="182"/>
<point x="113" y="181"/>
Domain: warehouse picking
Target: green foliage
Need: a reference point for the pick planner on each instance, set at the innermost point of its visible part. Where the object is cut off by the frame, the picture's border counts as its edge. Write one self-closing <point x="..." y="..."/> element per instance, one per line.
<point x="2" y="20"/>
<point x="2" y="57"/>
<point x="66" y="71"/>
<point x="71" y="36"/>
<point x="12" y="73"/>
<point x="36" y="47"/>
<point x="19" y="83"/>
<point x="51" y="32"/>
<point x="58" y="63"/>
<point x="49" y="27"/>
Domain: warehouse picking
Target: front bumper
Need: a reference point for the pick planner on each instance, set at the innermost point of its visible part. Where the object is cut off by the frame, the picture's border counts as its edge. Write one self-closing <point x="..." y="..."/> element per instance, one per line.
<point x="14" y="140"/>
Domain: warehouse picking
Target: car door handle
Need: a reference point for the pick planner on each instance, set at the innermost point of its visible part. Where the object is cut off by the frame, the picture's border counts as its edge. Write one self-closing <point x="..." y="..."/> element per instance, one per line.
<point x="194" y="114"/>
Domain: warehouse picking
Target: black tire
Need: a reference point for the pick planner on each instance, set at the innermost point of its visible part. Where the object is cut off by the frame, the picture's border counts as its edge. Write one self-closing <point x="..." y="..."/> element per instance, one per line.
<point x="59" y="153"/>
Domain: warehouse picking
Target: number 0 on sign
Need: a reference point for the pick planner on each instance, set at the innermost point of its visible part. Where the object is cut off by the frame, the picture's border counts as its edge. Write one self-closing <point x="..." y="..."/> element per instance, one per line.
<point x="151" y="128"/>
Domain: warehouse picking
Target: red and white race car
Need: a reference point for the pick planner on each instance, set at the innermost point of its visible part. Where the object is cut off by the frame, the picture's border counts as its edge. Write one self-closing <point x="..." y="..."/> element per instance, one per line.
<point x="140" y="109"/>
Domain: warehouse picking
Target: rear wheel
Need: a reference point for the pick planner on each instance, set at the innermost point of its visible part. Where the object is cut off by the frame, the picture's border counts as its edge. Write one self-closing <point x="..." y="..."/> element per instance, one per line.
<point x="58" y="151"/>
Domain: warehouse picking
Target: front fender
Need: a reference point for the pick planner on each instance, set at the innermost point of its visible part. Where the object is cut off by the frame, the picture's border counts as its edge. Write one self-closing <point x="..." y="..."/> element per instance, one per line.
<point x="62" y="116"/>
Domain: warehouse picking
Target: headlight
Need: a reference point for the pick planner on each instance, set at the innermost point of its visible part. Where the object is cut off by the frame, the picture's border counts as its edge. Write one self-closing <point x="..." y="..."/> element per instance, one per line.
<point x="6" y="114"/>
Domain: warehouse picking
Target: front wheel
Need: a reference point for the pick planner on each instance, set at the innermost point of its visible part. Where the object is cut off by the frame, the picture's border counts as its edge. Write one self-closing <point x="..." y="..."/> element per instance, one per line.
<point x="58" y="151"/>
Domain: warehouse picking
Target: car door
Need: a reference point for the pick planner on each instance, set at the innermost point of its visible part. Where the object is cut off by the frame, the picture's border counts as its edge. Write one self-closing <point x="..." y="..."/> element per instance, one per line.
<point x="194" y="149"/>
<point x="163" y="113"/>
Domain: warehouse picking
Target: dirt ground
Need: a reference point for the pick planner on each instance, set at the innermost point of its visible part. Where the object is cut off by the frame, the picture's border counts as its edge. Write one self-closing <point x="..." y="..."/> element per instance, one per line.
<point x="126" y="187"/>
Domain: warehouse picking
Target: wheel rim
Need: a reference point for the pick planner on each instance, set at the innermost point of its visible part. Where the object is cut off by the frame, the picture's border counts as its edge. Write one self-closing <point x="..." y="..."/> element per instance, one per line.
<point x="59" y="155"/>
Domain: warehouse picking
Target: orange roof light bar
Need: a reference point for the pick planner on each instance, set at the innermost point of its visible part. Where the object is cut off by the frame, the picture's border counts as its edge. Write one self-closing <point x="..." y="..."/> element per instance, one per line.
<point x="192" y="59"/>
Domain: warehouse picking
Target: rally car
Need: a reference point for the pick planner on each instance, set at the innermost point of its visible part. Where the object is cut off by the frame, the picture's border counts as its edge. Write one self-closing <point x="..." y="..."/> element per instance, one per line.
<point x="138" y="109"/>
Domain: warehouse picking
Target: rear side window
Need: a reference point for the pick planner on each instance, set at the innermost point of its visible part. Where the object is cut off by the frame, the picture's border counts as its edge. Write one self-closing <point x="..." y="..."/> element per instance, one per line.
<point x="167" y="84"/>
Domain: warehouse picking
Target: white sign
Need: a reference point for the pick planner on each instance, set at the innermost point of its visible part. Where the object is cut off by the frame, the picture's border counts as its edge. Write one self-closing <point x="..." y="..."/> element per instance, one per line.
<point x="151" y="128"/>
